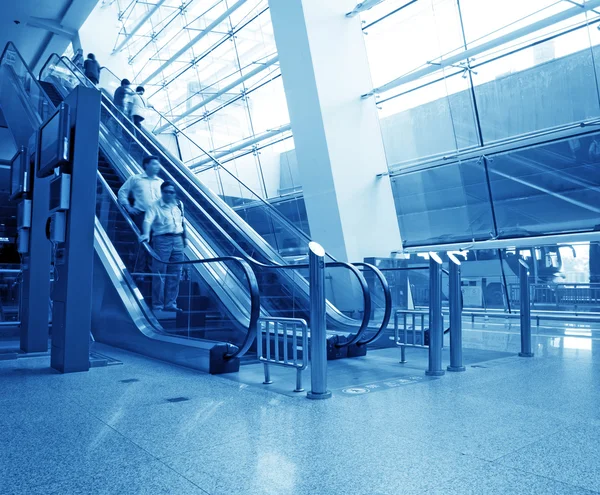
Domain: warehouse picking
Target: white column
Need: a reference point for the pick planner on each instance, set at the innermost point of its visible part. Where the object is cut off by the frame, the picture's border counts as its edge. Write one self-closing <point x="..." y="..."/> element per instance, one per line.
<point x="338" y="141"/>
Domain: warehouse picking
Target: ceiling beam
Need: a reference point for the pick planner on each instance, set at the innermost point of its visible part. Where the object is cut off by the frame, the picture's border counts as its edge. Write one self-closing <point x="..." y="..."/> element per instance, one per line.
<point x="52" y="26"/>
<point x="195" y="40"/>
<point x="139" y="25"/>
<point x="432" y="67"/>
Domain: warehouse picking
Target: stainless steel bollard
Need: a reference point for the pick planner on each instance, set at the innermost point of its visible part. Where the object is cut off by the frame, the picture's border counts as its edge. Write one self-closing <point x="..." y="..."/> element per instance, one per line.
<point x="455" y="297"/>
<point x="436" y="330"/>
<point x="318" y="336"/>
<point x="268" y="380"/>
<point x="525" y="310"/>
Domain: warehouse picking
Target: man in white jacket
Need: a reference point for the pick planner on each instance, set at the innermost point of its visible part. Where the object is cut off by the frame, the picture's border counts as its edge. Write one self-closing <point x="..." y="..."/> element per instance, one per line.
<point x="138" y="107"/>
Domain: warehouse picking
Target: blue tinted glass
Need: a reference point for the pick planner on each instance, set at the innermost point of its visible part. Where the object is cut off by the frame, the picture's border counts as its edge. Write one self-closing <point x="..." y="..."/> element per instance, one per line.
<point x="449" y="203"/>
<point x="551" y="188"/>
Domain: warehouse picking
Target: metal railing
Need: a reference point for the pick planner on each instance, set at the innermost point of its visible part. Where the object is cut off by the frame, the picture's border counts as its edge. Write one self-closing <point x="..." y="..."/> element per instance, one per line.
<point x="274" y="337"/>
<point x="414" y="330"/>
<point x="560" y="295"/>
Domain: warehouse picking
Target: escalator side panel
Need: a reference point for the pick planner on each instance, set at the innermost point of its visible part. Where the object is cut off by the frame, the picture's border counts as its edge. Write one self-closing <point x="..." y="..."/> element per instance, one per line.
<point x="113" y="324"/>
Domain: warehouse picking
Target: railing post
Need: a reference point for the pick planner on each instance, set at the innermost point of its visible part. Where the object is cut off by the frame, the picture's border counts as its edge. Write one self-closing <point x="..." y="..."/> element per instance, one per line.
<point x="455" y="300"/>
<point x="525" y="310"/>
<point x="318" y="337"/>
<point x="436" y="331"/>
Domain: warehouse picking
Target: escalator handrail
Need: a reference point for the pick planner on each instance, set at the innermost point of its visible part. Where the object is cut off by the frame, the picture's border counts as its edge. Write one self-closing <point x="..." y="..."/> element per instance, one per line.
<point x="36" y="82"/>
<point x="249" y="274"/>
<point x="378" y="274"/>
<point x="388" y="303"/>
<point x="43" y="94"/>
<point x="367" y="301"/>
<point x="253" y="285"/>
<point x="361" y="280"/>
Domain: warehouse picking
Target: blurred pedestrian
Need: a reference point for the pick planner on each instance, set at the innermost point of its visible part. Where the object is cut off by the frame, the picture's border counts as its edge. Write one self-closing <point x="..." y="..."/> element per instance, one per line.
<point x="91" y="68"/>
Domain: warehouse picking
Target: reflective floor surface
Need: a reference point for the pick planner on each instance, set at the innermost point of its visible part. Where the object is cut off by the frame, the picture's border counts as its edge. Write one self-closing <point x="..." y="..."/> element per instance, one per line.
<point x="506" y="425"/>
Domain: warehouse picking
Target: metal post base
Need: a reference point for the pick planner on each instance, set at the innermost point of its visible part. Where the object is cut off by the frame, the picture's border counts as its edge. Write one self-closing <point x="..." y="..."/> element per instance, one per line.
<point x="456" y="368"/>
<point x="268" y="380"/>
<point x="435" y="373"/>
<point x="525" y="354"/>
<point x="299" y="387"/>
<point x="402" y="354"/>
<point x="313" y="396"/>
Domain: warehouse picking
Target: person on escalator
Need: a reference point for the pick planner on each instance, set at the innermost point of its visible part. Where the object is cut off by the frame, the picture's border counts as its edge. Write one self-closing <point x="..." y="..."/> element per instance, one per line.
<point x="137" y="194"/>
<point x="91" y="68"/>
<point x="123" y="96"/>
<point x="165" y="221"/>
<point x="138" y="107"/>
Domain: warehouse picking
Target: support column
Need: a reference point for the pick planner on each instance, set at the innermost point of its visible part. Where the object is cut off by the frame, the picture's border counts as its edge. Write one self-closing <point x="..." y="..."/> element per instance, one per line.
<point x="318" y="326"/>
<point x="525" y="310"/>
<point x="436" y="330"/>
<point x="72" y="296"/>
<point x="35" y="296"/>
<point x="455" y="306"/>
<point x="338" y="141"/>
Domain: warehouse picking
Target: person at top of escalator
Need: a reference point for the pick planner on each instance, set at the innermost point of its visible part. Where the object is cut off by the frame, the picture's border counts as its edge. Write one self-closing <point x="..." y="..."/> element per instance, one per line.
<point x="122" y="97"/>
<point x="165" y="220"/>
<point x="139" y="192"/>
<point x="91" y="68"/>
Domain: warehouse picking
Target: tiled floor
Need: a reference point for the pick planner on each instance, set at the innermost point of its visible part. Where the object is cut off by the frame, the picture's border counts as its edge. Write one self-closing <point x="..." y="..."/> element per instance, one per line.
<point x="511" y="425"/>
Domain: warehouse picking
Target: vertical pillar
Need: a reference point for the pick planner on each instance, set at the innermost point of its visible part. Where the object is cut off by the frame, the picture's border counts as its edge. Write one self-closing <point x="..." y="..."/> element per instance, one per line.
<point x="525" y="310"/>
<point x="72" y="296"/>
<point x="318" y="337"/>
<point x="36" y="272"/>
<point x="436" y="329"/>
<point x="338" y="141"/>
<point x="455" y="301"/>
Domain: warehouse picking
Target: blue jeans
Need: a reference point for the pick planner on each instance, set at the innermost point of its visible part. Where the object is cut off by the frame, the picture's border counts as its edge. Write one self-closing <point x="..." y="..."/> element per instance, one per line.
<point x="165" y="283"/>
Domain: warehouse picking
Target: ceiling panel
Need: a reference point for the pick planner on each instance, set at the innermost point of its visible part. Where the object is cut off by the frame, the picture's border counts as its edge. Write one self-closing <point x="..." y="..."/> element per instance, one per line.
<point x="36" y="43"/>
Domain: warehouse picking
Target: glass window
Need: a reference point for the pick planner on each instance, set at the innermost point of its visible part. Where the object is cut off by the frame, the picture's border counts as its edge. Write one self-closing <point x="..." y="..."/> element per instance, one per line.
<point x="449" y="203"/>
<point x="551" y="188"/>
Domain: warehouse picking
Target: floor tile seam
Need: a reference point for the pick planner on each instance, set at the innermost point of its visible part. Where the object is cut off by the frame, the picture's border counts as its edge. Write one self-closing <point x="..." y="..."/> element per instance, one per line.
<point x="154" y="457"/>
<point x="458" y="477"/>
<point x="181" y="475"/>
<point x="504" y="466"/>
<point x="75" y="477"/>
<point x="498" y="460"/>
<point x="121" y="434"/>
<point x="548" y="478"/>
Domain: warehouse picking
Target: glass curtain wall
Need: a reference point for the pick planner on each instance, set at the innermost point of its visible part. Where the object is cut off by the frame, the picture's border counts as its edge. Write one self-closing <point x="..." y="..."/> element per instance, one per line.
<point x="490" y="113"/>
<point x="490" y="117"/>
<point x="210" y="68"/>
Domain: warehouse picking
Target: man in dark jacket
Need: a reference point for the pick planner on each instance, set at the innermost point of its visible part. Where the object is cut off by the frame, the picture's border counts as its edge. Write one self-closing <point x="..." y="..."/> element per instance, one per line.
<point x="91" y="68"/>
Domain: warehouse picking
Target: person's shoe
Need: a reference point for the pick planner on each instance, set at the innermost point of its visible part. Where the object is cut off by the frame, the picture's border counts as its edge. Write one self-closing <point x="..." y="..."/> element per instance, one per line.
<point x="173" y="309"/>
<point x="158" y="308"/>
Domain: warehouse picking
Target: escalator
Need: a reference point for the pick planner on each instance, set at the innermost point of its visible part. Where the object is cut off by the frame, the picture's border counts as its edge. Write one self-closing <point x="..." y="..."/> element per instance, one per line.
<point x="219" y="312"/>
<point x="213" y="342"/>
<point x="218" y="231"/>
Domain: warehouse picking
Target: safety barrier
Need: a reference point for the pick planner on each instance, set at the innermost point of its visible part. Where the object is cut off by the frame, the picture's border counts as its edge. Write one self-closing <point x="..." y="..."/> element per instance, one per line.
<point x="560" y="295"/>
<point x="414" y="330"/>
<point x="274" y="337"/>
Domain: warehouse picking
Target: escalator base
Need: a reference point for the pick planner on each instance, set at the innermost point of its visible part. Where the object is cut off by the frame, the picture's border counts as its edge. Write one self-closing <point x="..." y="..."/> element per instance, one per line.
<point x="334" y="351"/>
<point x="355" y="350"/>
